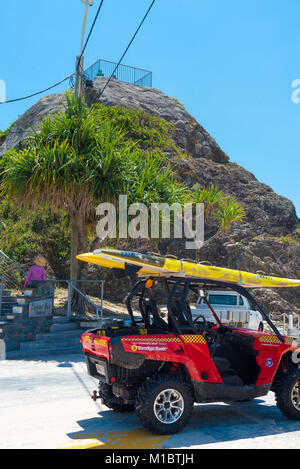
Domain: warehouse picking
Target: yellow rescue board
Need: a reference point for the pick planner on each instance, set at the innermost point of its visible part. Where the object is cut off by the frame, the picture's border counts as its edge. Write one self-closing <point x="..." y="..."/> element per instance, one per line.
<point x="154" y="265"/>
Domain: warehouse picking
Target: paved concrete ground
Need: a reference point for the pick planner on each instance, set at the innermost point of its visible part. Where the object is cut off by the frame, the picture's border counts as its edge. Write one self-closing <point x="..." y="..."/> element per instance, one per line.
<point x="46" y="404"/>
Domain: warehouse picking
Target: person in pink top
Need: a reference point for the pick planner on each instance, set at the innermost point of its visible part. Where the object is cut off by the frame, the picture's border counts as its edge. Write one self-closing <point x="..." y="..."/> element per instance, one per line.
<point x="37" y="271"/>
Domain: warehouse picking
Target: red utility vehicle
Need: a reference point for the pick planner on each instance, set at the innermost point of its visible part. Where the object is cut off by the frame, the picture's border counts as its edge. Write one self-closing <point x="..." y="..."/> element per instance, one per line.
<point x="160" y="366"/>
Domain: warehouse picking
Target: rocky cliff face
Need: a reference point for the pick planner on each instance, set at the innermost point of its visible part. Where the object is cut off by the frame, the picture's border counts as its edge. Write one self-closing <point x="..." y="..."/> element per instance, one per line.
<point x="189" y="136"/>
<point x="266" y="241"/>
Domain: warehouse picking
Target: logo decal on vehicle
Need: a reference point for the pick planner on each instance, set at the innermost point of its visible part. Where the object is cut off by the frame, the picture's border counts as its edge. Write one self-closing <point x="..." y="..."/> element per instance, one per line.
<point x="152" y="339"/>
<point x="149" y="348"/>
<point x="269" y="362"/>
<point x="101" y="342"/>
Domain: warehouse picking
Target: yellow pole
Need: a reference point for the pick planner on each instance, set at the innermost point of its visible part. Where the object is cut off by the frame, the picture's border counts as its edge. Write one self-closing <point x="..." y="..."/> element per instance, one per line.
<point x="83" y="29"/>
<point x="79" y="60"/>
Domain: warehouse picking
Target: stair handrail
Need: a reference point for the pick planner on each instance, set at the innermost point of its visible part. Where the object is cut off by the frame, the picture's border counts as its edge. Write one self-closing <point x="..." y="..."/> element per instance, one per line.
<point x="97" y="308"/>
<point x="13" y="262"/>
<point x="2" y="283"/>
<point x="71" y="287"/>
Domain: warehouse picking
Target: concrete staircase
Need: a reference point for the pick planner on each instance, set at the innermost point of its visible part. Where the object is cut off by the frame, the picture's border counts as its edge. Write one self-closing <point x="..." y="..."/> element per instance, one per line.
<point x="13" y="307"/>
<point x="63" y="338"/>
<point x="18" y="325"/>
<point x="10" y="305"/>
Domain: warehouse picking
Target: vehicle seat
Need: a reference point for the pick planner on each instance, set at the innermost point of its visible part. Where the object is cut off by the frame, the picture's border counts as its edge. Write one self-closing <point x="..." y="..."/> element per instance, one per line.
<point x="183" y="318"/>
<point x="150" y="309"/>
<point x="239" y="352"/>
<point x="222" y="364"/>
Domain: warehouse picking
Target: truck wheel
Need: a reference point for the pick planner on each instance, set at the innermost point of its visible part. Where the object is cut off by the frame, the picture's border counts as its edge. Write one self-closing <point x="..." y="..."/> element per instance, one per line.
<point x="111" y="401"/>
<point x="287" y="393"/>
<point x="164" y="404"/>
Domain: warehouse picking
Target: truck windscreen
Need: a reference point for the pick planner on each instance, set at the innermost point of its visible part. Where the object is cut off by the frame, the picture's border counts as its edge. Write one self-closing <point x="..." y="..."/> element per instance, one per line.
<point x="228" y="300"/>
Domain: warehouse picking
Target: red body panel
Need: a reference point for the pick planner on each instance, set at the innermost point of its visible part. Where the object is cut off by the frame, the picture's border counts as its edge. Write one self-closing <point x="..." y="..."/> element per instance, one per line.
<point x="190" y="350"/>
<point x="193" y="352"/>
<point x="270" y="350"/>
<point x="95" y="344"/>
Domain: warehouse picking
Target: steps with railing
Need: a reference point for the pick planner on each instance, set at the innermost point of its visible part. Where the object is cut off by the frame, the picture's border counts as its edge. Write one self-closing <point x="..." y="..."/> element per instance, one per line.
<point x="63" y="338"/>
<point x="62" y="333"/>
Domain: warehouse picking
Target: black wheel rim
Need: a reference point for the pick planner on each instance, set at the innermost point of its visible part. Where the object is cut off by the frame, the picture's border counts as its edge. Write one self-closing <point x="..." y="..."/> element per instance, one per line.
<point x="296" y="395"/>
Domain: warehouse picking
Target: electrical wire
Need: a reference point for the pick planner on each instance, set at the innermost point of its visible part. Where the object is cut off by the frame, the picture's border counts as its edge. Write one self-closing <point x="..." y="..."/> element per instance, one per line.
<point x="92" y="28"/>
<point x="83" y="50"/>
<point x="127" y="48"/>
<point x="39" y="92"/>
<point x="69" y="76"/>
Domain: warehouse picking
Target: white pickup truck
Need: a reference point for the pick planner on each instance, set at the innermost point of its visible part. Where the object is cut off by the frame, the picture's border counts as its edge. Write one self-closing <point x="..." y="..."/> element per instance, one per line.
<point x="231" y="308"/>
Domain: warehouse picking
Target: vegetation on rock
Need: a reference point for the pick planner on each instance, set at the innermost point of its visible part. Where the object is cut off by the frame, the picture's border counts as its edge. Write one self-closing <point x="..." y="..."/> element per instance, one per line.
<point x="4" y="133"/>
<point x="82" y="157"/>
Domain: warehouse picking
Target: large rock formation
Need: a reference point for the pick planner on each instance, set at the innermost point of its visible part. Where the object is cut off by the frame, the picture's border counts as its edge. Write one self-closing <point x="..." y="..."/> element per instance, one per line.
<point x="31" y="119"/>
<point x="263" y="242"/>
<point x="189" y="136"/>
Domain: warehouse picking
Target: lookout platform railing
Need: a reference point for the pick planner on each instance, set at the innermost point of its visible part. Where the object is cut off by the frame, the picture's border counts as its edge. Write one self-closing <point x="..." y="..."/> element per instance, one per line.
<point x="124" y="73"/>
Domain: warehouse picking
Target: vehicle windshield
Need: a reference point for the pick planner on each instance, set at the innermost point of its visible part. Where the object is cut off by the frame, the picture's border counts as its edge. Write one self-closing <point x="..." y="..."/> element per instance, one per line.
<point x="230" y="300"/>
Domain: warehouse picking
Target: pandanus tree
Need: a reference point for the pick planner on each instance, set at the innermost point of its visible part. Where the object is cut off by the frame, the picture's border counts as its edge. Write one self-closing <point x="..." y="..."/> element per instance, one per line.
<point x="78" y="160"/>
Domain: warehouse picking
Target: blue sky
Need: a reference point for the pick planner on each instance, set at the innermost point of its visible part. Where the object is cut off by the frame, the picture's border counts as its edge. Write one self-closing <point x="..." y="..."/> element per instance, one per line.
<point x="230" y="63"/>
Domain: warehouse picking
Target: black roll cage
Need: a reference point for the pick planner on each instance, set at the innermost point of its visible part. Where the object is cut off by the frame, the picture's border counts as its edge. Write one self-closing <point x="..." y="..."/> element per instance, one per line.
<point x="179" y="287"/>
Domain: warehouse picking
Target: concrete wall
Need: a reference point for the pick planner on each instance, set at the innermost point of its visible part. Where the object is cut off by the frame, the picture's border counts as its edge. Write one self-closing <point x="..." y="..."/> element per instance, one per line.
<point x="23" y="329"/>
<point x="21" y="326"/>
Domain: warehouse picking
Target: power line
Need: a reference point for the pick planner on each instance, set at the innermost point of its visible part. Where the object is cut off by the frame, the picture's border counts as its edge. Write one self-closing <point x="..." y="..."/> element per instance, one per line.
<point x="39" y="92"/>
<point x="79" y="60"/>
<point x="92" y="28"/>
<point x="127" y="48"/>
<point x="69" y="76"/>
<point x="86" y="43"/>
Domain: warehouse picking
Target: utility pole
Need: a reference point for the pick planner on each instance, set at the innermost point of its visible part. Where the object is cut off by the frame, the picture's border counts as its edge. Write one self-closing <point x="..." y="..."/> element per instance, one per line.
<point x="78" y="92"/>
<point x="79" y="59"/>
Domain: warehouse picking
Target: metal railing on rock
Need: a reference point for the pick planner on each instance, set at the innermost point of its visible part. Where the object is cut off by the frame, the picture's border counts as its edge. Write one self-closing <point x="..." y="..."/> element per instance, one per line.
<point x="124" y="73"/>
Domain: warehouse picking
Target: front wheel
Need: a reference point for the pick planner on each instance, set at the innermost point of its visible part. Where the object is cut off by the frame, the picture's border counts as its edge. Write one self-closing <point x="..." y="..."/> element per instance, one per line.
<point x="287" y="395"/>
<point x="164" y="404"/>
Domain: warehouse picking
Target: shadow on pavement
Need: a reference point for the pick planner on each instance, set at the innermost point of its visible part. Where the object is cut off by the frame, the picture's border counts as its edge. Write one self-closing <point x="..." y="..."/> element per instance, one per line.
<point x="217" y="423"/>
<point x="114" y="431"/>
<point x="211" y="423"/>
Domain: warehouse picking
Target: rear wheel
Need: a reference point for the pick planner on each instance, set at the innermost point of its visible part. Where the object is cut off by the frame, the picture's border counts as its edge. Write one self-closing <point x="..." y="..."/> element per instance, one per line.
<point x="111" y="401"/>
<point x="164" y="404"/>
<point x="287" y="395"/>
